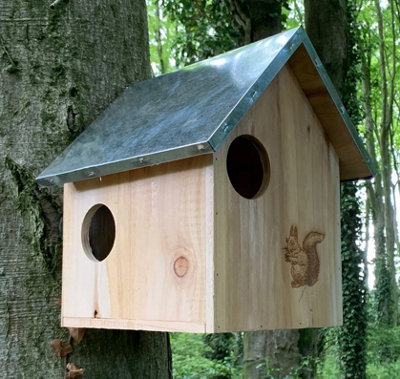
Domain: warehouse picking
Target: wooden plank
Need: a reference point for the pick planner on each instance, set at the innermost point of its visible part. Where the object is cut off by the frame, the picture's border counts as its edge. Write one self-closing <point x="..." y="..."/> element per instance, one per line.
<point x="105" y="323"/>
<point x="352" y="165"/>
<point x="209" y="292"/>
<point x="254" y="287"/>
<point x="156" y="270"/>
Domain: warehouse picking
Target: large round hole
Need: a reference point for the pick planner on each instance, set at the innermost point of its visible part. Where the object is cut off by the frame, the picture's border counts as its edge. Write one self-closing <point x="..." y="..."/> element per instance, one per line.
<point x="98" y="232"/>
<point x="248" y="166"/>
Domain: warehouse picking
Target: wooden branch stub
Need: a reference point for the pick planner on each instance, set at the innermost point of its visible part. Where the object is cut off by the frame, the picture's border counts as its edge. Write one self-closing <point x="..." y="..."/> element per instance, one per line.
<point x="60" y="348"/>
<point x="72" y="371"/>
<point x="77" y="334"/>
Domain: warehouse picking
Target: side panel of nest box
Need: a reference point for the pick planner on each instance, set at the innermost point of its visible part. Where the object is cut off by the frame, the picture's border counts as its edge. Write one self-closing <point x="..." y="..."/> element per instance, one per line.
<point x="136" y="247"/>
<point x="277" y="255"/>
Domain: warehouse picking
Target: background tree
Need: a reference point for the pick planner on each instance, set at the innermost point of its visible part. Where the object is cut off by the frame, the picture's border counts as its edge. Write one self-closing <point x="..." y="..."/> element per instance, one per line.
<point x="163" y="35"/>
<point x="59" y="68"/>
<point x="380" y="73"/>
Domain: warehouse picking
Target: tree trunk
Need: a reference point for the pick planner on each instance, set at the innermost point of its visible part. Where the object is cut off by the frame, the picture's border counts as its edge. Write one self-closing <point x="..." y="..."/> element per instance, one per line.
<point x="374" y="198"/>
<point x="274" y="352"/>
<point x="385" y="132"/>
<point x="265" y="17"/>
<point x="60" y="67"/>
<point x="256" y="19"/>
<point x="326" y="27"/>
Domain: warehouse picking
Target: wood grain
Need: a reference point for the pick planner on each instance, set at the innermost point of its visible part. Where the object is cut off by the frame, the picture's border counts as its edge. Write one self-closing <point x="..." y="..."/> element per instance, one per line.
<point x="352" y="164"/>
<point x="129" y="324"/>
<point x="303" y="258"/>
<point x="191" y="254"/>
<point x="252" y="279"/>
<point x="156" y="271"/>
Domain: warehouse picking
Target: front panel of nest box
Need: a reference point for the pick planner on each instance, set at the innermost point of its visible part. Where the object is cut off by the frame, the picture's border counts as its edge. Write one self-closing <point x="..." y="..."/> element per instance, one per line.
<point x="135" y="247"/>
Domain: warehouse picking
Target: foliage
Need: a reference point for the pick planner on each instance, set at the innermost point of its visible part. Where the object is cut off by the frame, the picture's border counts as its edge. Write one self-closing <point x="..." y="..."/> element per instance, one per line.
<point x="222" y="344"/>
<point x="383" y="345"/>
<point x="383" y="348"/>
<point x="351" y="337"/>
<point x="369" y="42"/>
<point x="384" y="371"/>
<point x="329" y="365"/>
<point x="293" y="14"/>
<point x="206" y="29"/>
<point x="163" y="32"/>
<point x="379" y="25"/>
<point x="183" y="32"/>
<point x="192" y="358"/>
<point x="380" y="340"/>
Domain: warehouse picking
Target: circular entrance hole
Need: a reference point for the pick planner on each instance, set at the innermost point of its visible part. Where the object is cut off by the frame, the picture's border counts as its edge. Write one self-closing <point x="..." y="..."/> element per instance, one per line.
<point x="98" y="232"/>
<point x="248" y="166"/>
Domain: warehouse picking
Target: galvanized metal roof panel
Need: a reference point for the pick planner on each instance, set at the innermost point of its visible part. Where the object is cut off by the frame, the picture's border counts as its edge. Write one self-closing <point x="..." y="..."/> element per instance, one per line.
<point x="177" y="115"/>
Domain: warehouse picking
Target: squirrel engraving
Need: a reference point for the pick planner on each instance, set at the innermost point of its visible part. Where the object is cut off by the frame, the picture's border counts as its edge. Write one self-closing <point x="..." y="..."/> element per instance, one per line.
<point x="304" y="260"/>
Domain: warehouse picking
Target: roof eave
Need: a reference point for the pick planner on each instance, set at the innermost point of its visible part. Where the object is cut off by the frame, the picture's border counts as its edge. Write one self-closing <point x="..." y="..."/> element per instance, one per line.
<point x="125" y="164"/>
<point x="351" y="168"/>
<point x="363" y="167"/>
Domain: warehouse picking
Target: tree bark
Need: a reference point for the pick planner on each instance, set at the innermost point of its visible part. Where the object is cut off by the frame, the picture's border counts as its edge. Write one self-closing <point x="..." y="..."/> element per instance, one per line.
<point x="275" y="352"/>
<point x="257" y="19"/>
<point x="326" y="27"/>
<point x="375" y="196"/>
<point x="59" y="68"/>
<point x="265" y="17"/>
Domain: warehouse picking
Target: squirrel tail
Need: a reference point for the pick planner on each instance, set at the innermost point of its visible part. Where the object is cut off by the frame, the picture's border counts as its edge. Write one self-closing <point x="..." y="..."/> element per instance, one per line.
<point x="310" y="247"/>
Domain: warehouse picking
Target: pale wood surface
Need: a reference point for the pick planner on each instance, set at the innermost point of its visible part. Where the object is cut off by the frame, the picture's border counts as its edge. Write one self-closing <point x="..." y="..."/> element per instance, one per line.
<point x="109" y="323"/>
<point x="252" y="279"/>
<point x="190" y="254"/>
<point x="352" y="165"/>
<point x="155" y="276"/>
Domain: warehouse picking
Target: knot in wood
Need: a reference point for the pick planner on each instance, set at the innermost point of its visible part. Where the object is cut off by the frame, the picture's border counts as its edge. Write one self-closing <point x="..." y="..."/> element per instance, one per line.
<point x="181" y="266"/>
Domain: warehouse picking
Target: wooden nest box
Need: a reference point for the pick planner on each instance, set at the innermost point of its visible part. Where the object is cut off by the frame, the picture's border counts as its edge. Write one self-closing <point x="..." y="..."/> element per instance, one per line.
<point x="207" y="199"/>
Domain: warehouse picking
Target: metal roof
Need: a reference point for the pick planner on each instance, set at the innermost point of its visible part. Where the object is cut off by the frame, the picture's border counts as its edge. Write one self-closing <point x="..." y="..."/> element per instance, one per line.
<point x="184" y="113"/>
